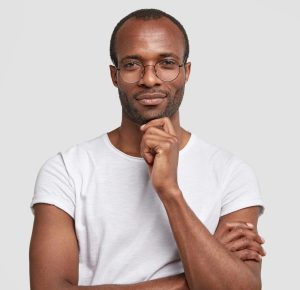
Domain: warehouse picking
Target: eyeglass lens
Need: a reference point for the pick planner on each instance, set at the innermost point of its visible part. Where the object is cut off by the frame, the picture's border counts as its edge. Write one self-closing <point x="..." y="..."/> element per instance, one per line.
<point x="165" y="70"/>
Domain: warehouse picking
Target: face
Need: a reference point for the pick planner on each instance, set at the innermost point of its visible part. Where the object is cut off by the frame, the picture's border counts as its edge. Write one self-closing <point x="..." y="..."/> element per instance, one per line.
<point x="149" y="42"/>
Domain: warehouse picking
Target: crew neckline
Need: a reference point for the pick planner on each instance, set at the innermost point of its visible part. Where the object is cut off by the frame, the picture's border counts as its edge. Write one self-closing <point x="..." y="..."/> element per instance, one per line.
<point x="141" y="159"/>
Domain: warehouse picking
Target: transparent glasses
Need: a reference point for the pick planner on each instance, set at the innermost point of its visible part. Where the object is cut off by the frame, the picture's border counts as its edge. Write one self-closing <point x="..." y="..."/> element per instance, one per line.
<point x="132" y="71"/>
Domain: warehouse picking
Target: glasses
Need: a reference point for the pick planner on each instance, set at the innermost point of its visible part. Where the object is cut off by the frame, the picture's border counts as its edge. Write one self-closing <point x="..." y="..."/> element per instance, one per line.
<point x="133" y="71"/>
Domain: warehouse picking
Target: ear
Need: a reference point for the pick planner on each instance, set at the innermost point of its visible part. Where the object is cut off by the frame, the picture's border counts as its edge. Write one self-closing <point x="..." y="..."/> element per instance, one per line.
<point x="113" y="75"/>
<point x="187" y="67"/>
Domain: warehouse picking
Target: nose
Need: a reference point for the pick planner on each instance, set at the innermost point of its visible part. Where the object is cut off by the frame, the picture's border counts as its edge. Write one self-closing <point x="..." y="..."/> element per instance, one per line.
<point x="149" y="78"/>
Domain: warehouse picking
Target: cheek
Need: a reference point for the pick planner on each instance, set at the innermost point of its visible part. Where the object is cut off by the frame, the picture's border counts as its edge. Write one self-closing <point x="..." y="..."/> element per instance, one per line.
<point x="125" y="88"/>
<point x="177" y="86"/>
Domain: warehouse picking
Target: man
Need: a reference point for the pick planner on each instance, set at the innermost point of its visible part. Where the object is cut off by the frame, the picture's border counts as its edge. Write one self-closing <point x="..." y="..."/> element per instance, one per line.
<point x="148" y="205"/>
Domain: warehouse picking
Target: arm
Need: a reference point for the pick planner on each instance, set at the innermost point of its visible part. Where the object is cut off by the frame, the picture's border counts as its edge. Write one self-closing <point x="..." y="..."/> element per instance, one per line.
<point x="207" y="263"/>
<point x="54" y="253"/>
<point x="54" y="257"/>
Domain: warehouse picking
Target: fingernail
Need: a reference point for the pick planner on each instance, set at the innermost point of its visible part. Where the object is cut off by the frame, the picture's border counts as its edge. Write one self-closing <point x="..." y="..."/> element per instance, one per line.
<point x="263" y="240"/>
<point x="142" y="126"/>
<point x="264" y="251"/>
<point x="249" y="225"/>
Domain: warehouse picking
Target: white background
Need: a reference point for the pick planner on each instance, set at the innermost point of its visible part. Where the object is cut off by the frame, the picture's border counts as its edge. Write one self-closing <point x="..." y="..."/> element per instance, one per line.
<point x="243" y="94"/>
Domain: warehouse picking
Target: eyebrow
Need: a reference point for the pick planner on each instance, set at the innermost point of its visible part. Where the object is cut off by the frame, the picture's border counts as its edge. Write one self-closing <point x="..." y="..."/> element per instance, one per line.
<point x="139" y="57"/>
<point x="132" y="56"/>
<point x="169" y="54"/>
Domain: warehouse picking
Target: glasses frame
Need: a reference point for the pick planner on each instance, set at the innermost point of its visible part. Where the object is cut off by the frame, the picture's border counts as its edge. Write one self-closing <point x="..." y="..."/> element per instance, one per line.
<point x="154" y="65"/>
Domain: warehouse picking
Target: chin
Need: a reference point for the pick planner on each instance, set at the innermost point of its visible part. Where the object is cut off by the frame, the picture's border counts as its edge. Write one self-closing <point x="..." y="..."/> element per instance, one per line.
<point x="145" y="119"/>
<point x="141" y="119"/>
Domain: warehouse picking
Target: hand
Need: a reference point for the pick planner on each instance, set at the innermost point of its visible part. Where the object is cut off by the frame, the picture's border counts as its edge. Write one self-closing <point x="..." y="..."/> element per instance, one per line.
<point x="160" y="149"/>
<point x="241" y="239"/>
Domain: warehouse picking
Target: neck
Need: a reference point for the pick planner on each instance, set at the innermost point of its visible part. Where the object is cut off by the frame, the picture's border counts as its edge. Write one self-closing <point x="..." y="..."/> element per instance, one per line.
<point x="128" y="136"/>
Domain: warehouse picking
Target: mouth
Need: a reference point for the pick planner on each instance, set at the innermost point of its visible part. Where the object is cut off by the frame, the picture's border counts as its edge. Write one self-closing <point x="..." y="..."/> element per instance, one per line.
<point x="151" y="99"/>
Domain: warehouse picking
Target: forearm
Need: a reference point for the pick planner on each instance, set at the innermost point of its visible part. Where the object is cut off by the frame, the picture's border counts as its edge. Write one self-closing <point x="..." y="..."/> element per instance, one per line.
<point x="176" y="282"/>
<point x="207" y="263"/>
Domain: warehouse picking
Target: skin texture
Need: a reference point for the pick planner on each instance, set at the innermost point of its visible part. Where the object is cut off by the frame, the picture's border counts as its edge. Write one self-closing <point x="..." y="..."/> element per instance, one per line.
<point x="151" y="38"/>
<point x="54" y="253"/>
<point x="148" y="40"/>
<point x="229" y="259"/>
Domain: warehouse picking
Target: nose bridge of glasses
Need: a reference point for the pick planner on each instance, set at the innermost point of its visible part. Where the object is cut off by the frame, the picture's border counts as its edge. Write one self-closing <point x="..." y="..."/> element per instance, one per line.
<point x="154" y="71"/>
<point x="154" y="67"/>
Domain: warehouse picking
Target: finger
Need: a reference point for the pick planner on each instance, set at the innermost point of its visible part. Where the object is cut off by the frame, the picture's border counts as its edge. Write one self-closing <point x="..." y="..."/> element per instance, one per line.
<point x="245" y="243"/>
<point x="246" y="255"/>
<point x="239" y="232"/>
<point x="250" y="234"/>
<point x="244" y="225"/>
<point x="151" y="130"/>
<point x="239" y="224"/>
<point x="165" y="123"/>
<point x="157" y="143"/>
<point x="148" y="156"/>
<point x="153" y="145"/>
<point x="228" y="226"/>
<point x="235" y="225"/>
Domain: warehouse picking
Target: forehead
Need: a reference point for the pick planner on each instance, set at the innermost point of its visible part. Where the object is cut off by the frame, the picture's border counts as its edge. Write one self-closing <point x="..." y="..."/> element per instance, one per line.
<point x="149" y="39"/>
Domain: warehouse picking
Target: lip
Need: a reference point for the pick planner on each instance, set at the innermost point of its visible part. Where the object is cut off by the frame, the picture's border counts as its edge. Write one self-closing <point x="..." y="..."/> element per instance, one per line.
<point x="151" y="96"/>
<point x="151" y="101"/>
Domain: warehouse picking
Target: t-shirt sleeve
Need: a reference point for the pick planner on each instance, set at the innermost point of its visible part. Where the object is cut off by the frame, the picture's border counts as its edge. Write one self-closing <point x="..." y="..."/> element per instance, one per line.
<point x="240" y="188"/>
<point x="54" y="186"/>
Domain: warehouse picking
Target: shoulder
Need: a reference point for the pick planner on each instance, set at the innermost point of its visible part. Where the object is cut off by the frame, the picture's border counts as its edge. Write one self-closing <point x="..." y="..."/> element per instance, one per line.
<point x="223" y="164"/>
<point x="76" y="158"/>
<point x="215" y="155"/>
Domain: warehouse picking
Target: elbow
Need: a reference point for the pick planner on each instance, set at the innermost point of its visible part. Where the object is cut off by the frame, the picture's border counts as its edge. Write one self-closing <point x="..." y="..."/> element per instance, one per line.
<point x="60" y="285"/>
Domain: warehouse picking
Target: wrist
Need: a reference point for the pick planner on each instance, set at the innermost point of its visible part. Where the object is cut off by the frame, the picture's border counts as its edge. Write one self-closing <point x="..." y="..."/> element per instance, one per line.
<point x="170" y="195"/>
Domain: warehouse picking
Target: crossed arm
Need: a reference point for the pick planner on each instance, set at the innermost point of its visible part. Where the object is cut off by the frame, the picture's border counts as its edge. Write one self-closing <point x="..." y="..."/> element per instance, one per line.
<point x="207" y="263"/>
<point x="231" y="256"/>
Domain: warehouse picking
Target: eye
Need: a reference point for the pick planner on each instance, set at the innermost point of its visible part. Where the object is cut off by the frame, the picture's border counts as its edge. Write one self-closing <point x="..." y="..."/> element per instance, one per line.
<point x="168" y="64"/>
<point x="168" y="61"/>
<point x="131" y="65"/>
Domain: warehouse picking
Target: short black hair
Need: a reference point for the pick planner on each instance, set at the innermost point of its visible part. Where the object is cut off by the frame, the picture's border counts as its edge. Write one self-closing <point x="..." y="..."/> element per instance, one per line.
<point x="147" y="14"/>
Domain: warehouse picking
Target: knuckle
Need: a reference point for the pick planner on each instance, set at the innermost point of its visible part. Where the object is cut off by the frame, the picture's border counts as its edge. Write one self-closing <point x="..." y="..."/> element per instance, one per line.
<point x="171" y="141"/>
<point x="245" y="241"/>
<point x="256" y="243"/>
<point x="243" y="254"/>
<point x="255" y="256"/>
<point x="254" y="236"/>
<point x="230" y="226"/>
<point x="175" y="139"/>
<point x="239" y="255"/>
<point x="169" y="144"/>
<point x="241" y="231"/>
<point x="248" y="253"/>
<point x="150" y="130"/>
<point x="252" y="255"/>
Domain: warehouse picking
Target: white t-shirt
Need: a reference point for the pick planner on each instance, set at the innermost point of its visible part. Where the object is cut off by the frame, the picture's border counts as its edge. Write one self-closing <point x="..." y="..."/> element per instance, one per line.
<point x="121" y="225"/>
